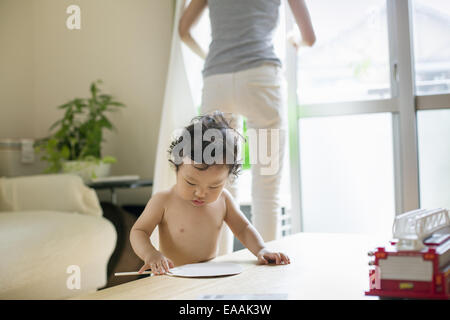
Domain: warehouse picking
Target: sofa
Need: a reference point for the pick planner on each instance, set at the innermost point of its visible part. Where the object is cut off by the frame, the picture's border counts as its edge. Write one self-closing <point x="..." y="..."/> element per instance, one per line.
<point x="54" y="241"/>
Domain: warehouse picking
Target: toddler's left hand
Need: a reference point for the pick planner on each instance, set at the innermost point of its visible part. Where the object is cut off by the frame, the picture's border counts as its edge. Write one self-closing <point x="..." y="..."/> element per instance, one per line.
<point x="266" y="256"/>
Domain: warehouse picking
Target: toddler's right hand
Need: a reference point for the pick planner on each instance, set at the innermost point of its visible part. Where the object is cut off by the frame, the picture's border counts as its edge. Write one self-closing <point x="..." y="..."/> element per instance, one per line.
<point x="158" y="263"/>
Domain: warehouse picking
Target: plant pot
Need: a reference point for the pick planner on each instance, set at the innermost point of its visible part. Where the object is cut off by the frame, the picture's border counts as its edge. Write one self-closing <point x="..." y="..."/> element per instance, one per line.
<point x="87" y="170"/>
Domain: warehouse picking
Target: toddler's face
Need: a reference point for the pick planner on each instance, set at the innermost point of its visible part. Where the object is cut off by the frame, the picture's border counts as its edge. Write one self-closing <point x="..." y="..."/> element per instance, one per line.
<point x="201" y="187"/>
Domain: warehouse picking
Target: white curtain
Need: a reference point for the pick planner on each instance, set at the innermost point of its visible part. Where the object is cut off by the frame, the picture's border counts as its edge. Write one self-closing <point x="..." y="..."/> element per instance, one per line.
<point x="178" y="110"/>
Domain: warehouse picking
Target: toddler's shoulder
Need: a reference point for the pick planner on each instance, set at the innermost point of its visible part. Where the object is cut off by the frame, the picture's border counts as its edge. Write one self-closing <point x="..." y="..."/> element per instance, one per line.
<point x="163" y="193"/>
<point x="226" y="194"/>
<point x="228" y="197"/>
<point x="161" y="197"/>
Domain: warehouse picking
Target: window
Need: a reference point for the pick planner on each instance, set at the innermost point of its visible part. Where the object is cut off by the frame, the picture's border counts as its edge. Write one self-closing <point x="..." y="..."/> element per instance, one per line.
<point x="350" y="60"/>
<point x="433" y="128"/>
<point x="346" y="160"/>
<point x="347" y="173"/>
<point x="431" y="25"/>
<point x="350" y="132"/>
<point x="431" y="20"/>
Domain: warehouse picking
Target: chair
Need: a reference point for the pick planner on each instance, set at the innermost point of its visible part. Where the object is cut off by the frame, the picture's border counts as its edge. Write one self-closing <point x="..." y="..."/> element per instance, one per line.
<point x="48" y="224"/>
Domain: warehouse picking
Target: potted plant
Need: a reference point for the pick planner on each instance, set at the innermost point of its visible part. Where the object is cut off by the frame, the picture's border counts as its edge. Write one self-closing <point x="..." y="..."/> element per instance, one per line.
<point x="75" y="144"/>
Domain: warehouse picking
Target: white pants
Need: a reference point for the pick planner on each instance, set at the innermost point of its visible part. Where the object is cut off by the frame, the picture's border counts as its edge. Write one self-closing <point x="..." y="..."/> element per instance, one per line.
<point x="258" y="94"/>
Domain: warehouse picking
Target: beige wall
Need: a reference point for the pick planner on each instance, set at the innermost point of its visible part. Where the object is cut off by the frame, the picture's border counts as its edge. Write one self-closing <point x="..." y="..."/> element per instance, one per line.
<point x="16" y="69"/>
<point x="126" y="43"/>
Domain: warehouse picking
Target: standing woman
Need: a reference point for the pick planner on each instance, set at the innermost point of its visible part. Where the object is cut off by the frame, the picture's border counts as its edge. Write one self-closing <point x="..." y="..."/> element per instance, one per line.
<point x="242" y="77"/>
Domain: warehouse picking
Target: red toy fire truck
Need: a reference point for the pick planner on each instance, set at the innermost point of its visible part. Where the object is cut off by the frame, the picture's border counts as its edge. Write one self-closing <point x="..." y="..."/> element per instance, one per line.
<point x="416" y="263"/>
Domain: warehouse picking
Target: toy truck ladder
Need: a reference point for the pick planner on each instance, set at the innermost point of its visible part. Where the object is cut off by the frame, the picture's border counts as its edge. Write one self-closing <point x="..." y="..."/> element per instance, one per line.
<point x="412" y="227"/>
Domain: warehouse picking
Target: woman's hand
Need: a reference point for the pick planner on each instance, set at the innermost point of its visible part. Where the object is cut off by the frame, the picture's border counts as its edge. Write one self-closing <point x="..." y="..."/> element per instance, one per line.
<point x="294" y="38"/>
<point x="266" y="256"/>
<point x="157" y="262"/>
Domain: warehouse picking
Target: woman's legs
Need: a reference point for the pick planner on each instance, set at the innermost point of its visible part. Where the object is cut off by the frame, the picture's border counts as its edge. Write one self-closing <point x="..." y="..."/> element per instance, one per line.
<point x="218" y="95"/>
<point x="258" y="95"/>
<point x="266" y="183"/>
<point x="261" y="99"/>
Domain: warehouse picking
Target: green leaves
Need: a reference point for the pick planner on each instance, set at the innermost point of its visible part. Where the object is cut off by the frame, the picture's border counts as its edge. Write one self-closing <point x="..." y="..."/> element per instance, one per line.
<point x="109" y="159"/>
<point x="78" y="135"/>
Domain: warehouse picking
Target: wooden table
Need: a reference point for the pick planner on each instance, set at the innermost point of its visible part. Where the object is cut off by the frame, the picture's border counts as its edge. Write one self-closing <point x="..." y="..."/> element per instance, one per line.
<point x="323" y="266"/>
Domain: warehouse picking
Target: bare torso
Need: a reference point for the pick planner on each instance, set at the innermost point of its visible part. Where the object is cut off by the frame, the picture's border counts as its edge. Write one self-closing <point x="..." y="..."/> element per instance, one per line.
<point x="189" y="234"/>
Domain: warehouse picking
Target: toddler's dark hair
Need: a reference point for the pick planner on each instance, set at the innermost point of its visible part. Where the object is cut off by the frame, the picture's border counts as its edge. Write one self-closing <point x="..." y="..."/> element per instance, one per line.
<point x="224" y="136"/>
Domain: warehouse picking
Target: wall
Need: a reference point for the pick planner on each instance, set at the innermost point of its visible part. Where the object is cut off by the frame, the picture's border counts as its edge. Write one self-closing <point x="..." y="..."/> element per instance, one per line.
<point x="16" y="69"/>
<point x="124" y="43"/>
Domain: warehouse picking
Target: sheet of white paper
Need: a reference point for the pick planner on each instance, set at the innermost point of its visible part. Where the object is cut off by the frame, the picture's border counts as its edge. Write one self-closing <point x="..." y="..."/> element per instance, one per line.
<point x="206" y="269"/>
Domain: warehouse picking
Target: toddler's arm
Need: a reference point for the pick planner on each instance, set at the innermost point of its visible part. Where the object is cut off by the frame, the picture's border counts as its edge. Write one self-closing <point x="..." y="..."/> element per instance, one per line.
<point x="248" y="235"/>
<point x="140" y="236"/>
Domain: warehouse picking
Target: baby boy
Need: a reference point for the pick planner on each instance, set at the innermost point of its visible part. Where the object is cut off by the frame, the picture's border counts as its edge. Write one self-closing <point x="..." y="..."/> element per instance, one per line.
<point x="190" y="215"/>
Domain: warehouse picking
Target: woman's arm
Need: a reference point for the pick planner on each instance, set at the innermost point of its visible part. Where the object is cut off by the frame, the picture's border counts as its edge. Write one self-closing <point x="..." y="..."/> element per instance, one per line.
<point x="189" y="18"/>
<point x="301" y="15"/>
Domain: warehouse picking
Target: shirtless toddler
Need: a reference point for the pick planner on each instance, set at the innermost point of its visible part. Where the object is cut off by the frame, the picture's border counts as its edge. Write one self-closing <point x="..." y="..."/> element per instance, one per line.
<point x="190" y="215"/>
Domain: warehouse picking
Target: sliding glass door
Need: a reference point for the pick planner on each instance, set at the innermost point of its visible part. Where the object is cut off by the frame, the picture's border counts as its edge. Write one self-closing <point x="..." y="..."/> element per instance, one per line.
<point x="431" y="25"/>
<point x="356" y="143"/>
